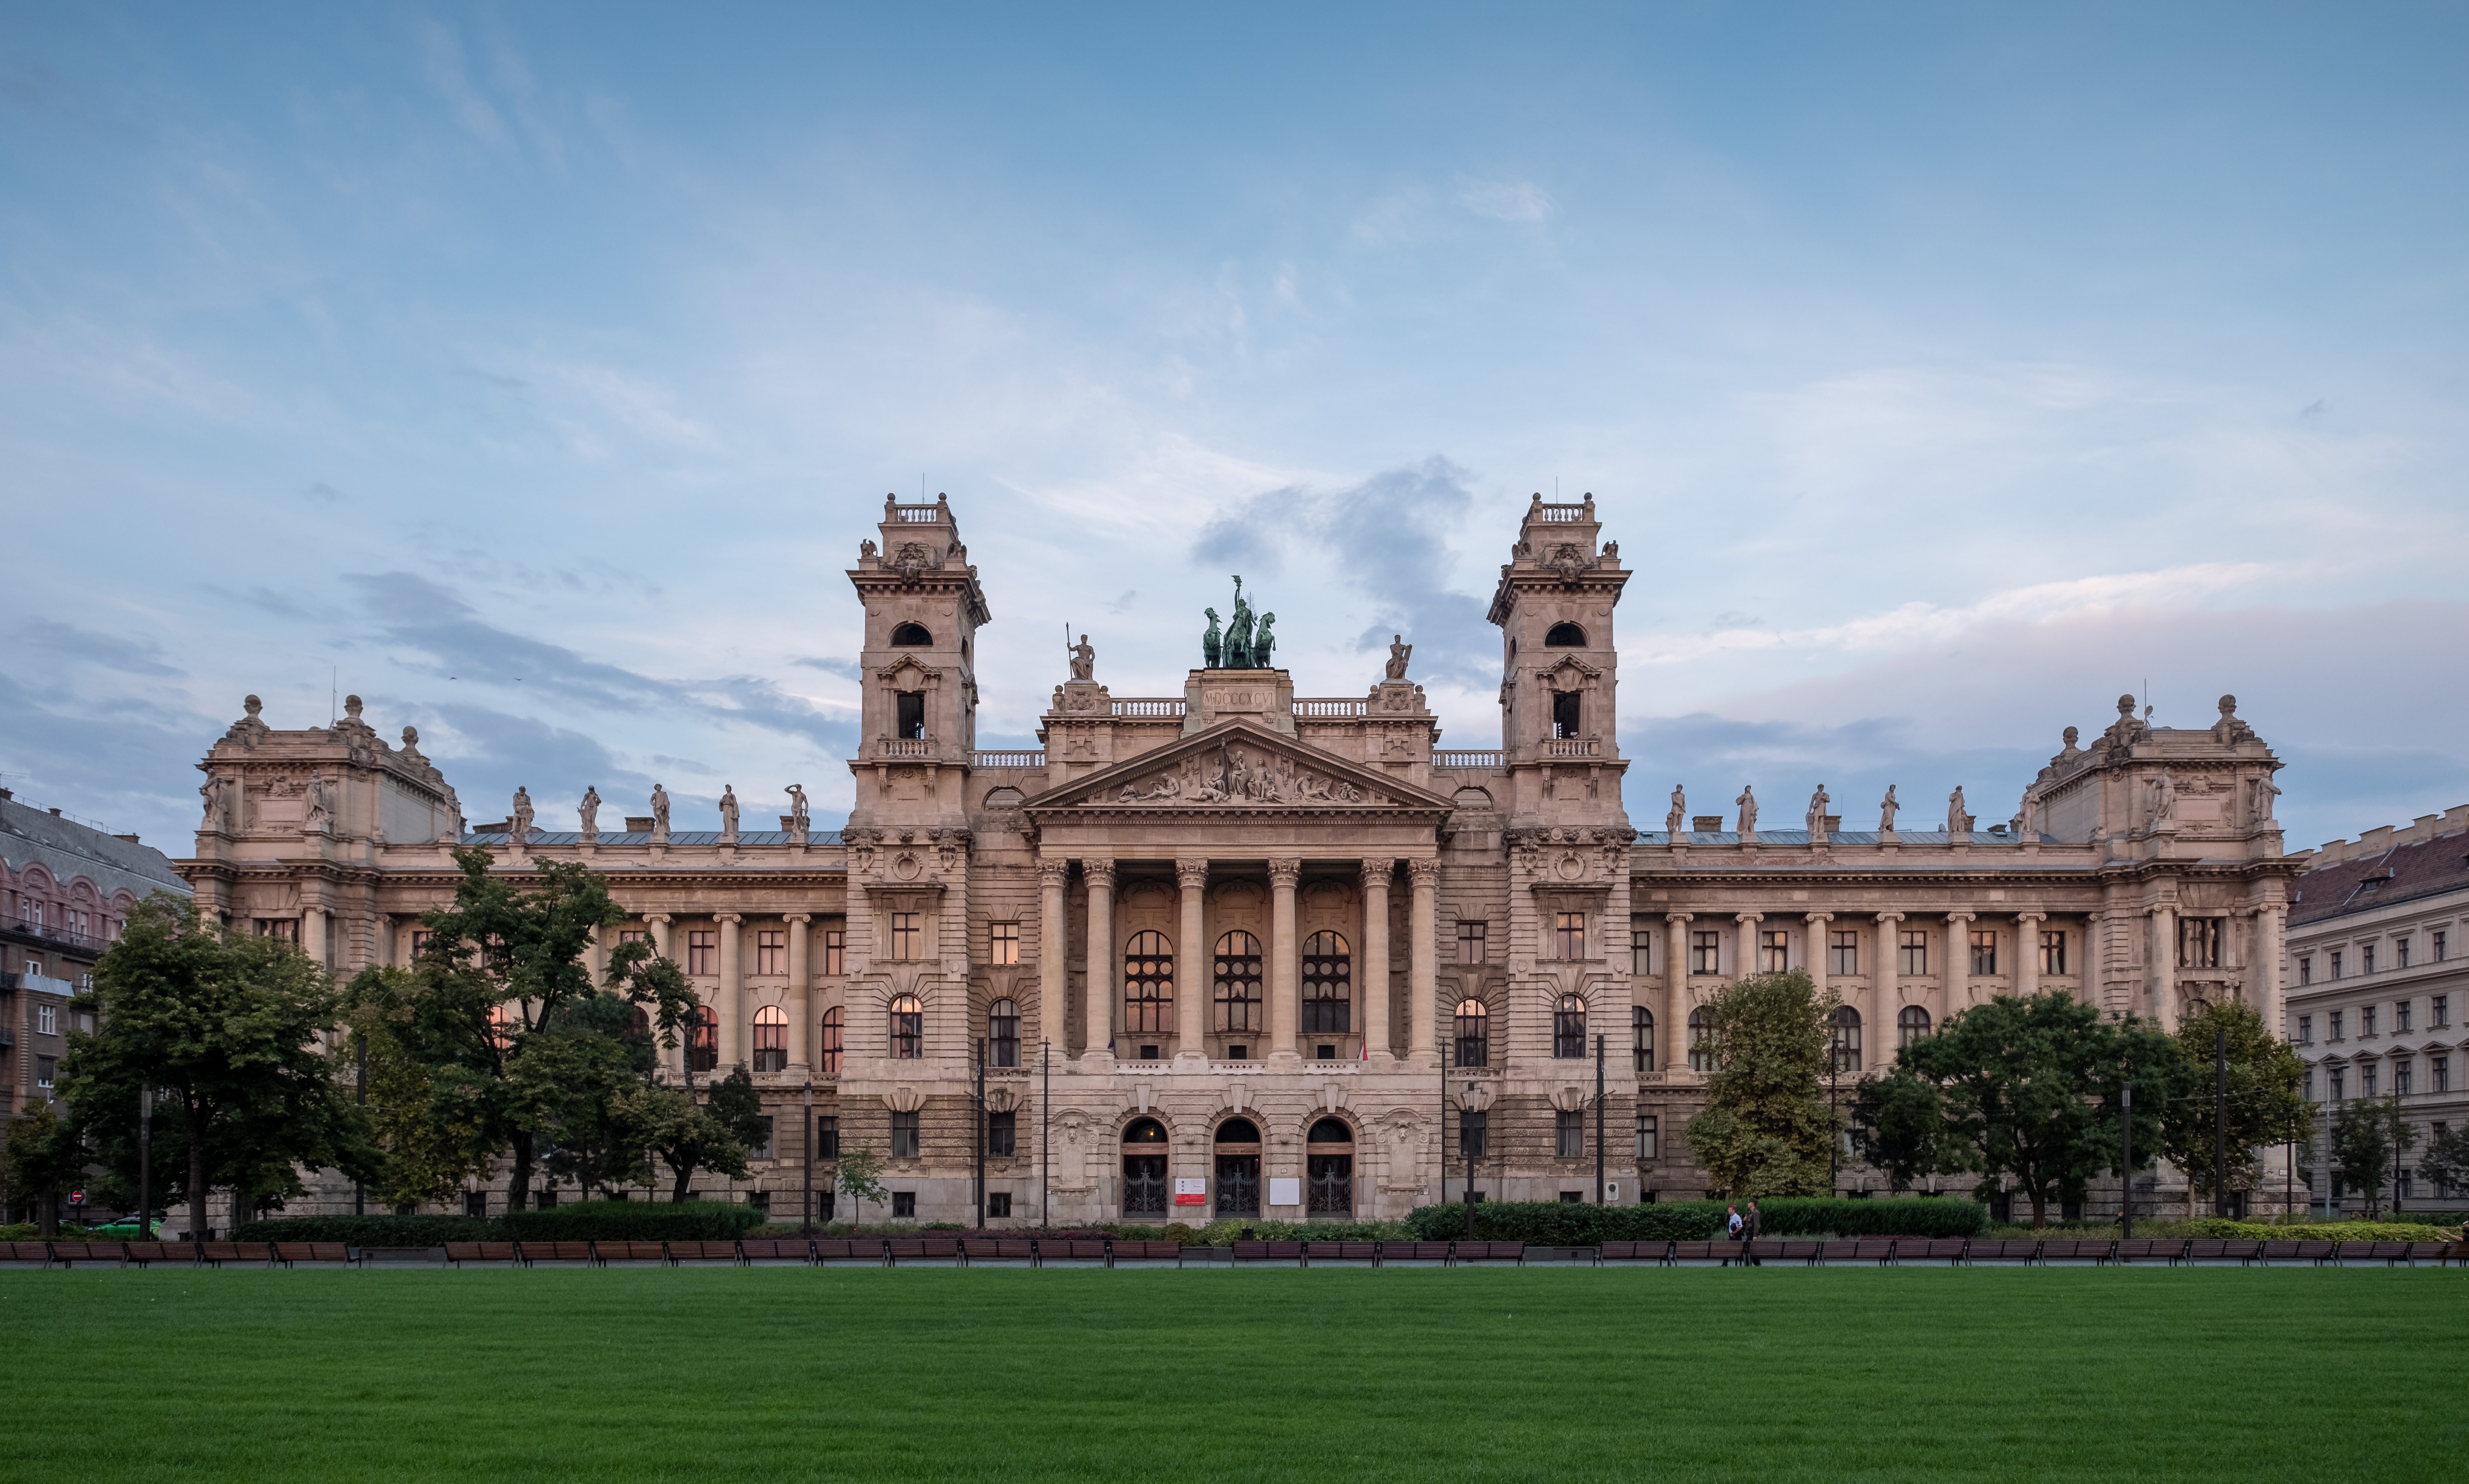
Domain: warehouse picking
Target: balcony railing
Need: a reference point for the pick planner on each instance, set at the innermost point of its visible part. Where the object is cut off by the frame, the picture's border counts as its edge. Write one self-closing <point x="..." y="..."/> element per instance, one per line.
<point x="1030" y="756"/>
<point x="1560" y="514"/>
<point x="1466" y="758"/>
<point x="917" y="515"/>
<point x="51" y="932"/>
<point x="1332" y="708"/>
<point x="1160" y="707"/>
<point x="1572" y="748"/>
<point x="904" y="746"/>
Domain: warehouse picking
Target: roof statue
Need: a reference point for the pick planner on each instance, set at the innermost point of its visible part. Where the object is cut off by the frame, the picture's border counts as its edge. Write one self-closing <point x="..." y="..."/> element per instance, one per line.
<point x="1400" y="652"/>
<point x="1212" y="642"/>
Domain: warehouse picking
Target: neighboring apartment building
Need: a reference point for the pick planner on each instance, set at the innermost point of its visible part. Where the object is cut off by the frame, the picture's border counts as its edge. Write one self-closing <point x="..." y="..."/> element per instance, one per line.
<point x="1288" y="955"/>
<point x="2379" y="983"/>
<point x="65" y="889"/>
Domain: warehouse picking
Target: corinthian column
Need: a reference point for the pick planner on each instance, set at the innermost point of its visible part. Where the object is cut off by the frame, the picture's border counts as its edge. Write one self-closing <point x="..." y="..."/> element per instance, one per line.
<point x="801" y="995"/>
<point x="732" y="994"/>
<point x="1101" y="1008"/>
<point x="1423" y="979"/>
<point x="1372" y="981"/>
<point x="1286" y="979"/>
<point x="1053" y="938"/>
<point x="1192" y="965"/>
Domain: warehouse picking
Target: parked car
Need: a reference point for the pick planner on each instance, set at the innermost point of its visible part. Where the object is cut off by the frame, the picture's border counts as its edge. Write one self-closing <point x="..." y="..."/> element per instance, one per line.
<point x="125" y="1229"/>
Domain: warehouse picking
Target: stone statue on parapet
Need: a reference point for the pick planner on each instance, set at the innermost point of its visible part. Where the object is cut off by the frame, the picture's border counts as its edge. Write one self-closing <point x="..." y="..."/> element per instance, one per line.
<point x="588" y="812"/>
<point x="519" y="820"/>
<point x="1400" y="652"/>
<point x="1887" y="810"/>
<point x="1817" y="803"/>
<point x="1748" y="803"/>
<point x="1084" y="660"/>
<point x="1264" y="644"/>
<point x="1958" y="819"/>
<point x="659" y="810"/>
<point x="728" y="812"/>
<point x="1238" y="632"/>
<point x="1211" y="642"/>
<point x="1677" y="815"/>
<point x="798" y="808"/>
<point x="319" y="813"/>
<point x="2265" y="791"/>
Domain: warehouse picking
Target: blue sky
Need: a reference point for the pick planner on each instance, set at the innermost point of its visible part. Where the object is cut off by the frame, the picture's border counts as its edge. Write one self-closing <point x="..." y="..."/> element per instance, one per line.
<point x="534" y="370"/>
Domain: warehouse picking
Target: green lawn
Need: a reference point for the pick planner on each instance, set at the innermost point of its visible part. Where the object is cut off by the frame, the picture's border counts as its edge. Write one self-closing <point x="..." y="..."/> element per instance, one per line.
<point x="1261" y="1374"/>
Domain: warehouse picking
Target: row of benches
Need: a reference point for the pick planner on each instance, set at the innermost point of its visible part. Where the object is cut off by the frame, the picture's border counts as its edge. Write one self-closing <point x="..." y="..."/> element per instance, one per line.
<point x="1036" y="1251"/>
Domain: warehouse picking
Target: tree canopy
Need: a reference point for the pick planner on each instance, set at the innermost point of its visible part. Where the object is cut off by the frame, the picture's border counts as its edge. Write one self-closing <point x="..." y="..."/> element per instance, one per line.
<point x="2264" y="1105"/>
<point x="2369" y="1136"/>
<point x="1766" y="1130"/>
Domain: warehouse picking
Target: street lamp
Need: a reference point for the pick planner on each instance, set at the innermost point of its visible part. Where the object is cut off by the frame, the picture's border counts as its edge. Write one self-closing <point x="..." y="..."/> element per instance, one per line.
<point x="144" y="1160"/>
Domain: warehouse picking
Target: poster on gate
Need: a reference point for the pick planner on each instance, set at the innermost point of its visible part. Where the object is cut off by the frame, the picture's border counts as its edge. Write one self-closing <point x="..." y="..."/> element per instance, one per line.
<point x="1191" y="1191"/>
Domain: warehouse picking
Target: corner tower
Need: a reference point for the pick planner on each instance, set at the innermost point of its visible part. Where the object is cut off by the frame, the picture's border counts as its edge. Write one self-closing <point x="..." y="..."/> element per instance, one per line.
<point x="1558" y="701"/>
<point x="916" y="671"/>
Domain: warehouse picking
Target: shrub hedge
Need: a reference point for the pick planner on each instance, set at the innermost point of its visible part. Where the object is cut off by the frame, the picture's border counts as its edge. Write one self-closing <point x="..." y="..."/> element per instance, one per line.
<point x="369" y="1231"/>
<point x="633" y="1220"/>
<point x="1556" y="1223"/>
<point x="2324" y="1231"/>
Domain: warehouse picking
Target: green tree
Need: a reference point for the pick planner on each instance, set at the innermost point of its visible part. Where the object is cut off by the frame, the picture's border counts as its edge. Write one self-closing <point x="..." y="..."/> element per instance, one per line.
<point x="2264" y="1103"/>
<point x="2446" y="1161"/>
<point x="1765" y="1131"/>
<point x="2369" y="1137"/>
<point x="861" y="1180"/>
<point x="685" y="1136"/>
<point x="42" y="1155"/>
<point x="2021" y="1088"/>
<point x="233" y="1028"/>
<point x="491" y="1043"/>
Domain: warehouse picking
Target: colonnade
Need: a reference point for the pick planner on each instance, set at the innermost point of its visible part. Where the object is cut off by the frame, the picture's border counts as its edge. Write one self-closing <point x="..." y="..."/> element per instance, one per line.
<point x="1283" y="959"/>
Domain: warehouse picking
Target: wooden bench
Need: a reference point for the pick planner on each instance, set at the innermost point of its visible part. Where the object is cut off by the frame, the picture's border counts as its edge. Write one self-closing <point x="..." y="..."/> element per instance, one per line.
<point x="68" y="1254"/>
<point x="2240" y="1251"/>
<point x="1635" y="1252"/>
<point x="704" y="1252"/>
<point x="1879" y="1250"/>
<point x="1344" y="1252"/>
<point x="2384" y="1252"/>
<point x="214" y="1254"/>
<point x="2095" y="1250"/>
<point x="1142" y="1250"/>
<point x="921" y="1249"/>
<point x="775" y="1249"/>
<point x="290" y="1253"/>
<point x="1493" y="1252"/>
<point x="533" y="1253"/>
<point x="2004" y="1249"/>
<point x="39" y="1253"/>
<point x="848" y="1249"/>
<point x="146" y="1254"/>
<point x="1075" y="1250"/>
<point x="2317" y="1253"/>
<point x="633" y="1252"/>
<point x="457" y="1253"/>
<point x="2435" y="1252"/>
<point x="999" y="1249"/>
<point x="1415" y="1252"/>
<point x="1272" y="1252"/>
<point x="2150" y="1249"/>
<point x="1704" y="1252"/>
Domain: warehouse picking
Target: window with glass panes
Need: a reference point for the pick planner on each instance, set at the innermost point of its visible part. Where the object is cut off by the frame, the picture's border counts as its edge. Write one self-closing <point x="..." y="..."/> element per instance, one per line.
<point x="1002" y="943"/>
<point x="2306" y="1030"/>
<point x="827" y="1135"/>
<point x="2404" y="1075"/>
<point x="2439" y="1074"/>
<point x="907" y="938"/>
<point x="1569" y="933"/>
<point x="1569" y="1027"/>
<point x="1003" y="1134"/>
<point x="1641" y="1037"/>
<point x="1914" y="946"/>
<point x="1774" y="951"/>
<point x="2369" y="1075"/>
<point x="703" y="952"/>
<point x="829" y="1051"/>
<point x="1705" y="952"/>
<point x="835" y="951"/>
<point x="1473" y="1032"/>
<point x="2438" y="1010"/>
<point x="2053" y="951"/>
<point x="2400" y="951"/>
<point x="1641" y="945"/>
<point x="2334" y="1021"/>
<point x="2366" y="959"/>
<point x="1984" y="950"/>
<point x="1470" y="1132"/>
<point x="1470" y="943"/>
<point x="1569" y="1135"/>
<point x="1843" y="952"/>
<point x="1646" y="1136"/>
<point x="2401" y="1009"/>
<point x="771" y="953"/>
<point x="2365" y="1020"/>
<point x="904" y="1135"/>
<point x="1003" y="1034"/>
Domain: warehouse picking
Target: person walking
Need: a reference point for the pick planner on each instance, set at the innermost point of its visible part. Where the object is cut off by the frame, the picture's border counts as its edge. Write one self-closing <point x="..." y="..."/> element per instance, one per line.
<point x="1748" y="1234"/>
<point x="1733" y="1226"/>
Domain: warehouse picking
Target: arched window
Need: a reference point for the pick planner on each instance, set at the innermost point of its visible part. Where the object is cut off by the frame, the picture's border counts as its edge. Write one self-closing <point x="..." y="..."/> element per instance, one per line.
<point x="908" y="1029"/>
<point x="1847" y="1038"/>
<point x="912" y="636"/>
<point x="1328" y="1167"/>
<point x="1148" y="984"/>
<point x="1238" y="975"/>
<point x="830" y="1049"/>
<point x="1569" y="1027"/>
<point x="1701" y="1040"/>
<point x="702" y="1040"/>
<point x="1561" y="636"/>
<point x="1003" y="1034"/>
<point x="1328" y="985"/>
<point x="771" y="1040"/>
<point x="1474" y="1033"/>
<point x="1238" y="1167"/>
<point x="1145" y="1182"/>
<point x="1640" y="1036"/>
<point x="1911" y="1023"/>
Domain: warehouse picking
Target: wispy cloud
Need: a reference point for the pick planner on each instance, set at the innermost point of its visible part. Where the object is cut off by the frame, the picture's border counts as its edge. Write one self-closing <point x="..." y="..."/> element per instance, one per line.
<point x="1506" y="200"/>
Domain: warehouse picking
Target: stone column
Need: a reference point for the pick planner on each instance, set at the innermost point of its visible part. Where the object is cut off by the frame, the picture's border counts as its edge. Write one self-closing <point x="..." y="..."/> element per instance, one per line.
<point x="1053" y="945"/>
<point x="1191" y="964"/>
<point x="1099" y="1023"/>
<point x="1371" y="979"/>
<point x="801" y="995"/>
<point x="657" y="923"/>
<point x="1957" y="977"/>
<point x="2161" y="968"/>
<point x="1889" y="1003"/>
<point x="1286" y="977"/>
<point x="2027" y="952"/>
<point x="1745" y="953"/>
<point x="731" y="994"/>
<point x="313" y="933"/>
<point x="1673" y="1032"/>
<point x="1817" y="949"/>
<point x="2264" y="967"/>
<point x="1422" y="977"/>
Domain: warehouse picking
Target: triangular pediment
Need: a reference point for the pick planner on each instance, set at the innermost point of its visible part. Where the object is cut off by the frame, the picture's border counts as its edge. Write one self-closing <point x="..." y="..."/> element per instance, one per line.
<point x="1237" y="764"/>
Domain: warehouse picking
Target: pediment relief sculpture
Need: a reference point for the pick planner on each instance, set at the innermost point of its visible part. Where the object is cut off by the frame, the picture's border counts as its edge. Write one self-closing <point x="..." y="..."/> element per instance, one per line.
<point x="1237" y="774"/>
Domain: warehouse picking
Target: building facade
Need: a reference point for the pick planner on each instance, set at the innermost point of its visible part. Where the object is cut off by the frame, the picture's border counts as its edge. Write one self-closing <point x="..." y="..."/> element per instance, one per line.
<point x="65" y="890"/>
<point x="2379" y="988"/>
<point x="1234" y="952"/>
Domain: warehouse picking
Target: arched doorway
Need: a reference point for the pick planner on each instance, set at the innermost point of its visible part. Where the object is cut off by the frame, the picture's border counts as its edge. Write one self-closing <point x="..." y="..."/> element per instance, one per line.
<point x="1145" y="1182"/>
<point x="1328" y="1163"/>
<point x="1238" y="1167"/>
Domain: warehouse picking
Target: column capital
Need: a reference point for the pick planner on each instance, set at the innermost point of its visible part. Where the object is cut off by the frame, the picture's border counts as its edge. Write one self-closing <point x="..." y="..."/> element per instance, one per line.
<point x="1676" y="918"/>
<point x="1821" y="917"/>
<point x="1961" y="917"/>
<point x="1890" y="917"/>
<point x="662" y="918"/>
<point x="2031" y="917"/>
<point x="1424" y="872"/>
<point x="728" y="916"/>
<point x="2264" y="910"/>
<point x="1100" y="873"/>
<point x="1053" y="870"/>
<point x="1749" y="919"/>
<point x="797" y="916"/>
<point x="1285" y="873"/>
<point x="1377" y="870"/>
<point x="1190" y="874"/>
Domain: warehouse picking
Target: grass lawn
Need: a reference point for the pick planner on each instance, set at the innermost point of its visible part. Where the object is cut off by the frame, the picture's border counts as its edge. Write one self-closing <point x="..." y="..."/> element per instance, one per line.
<point x="764" y="1374"/>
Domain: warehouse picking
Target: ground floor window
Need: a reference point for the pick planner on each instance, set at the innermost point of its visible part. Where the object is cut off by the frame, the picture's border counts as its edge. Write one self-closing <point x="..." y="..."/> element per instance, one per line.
<point x="1328" y="1163"/>
<point x="1002" y="1133"/>
<point x="904" y="1205"/>
<point x="1646" y="1136"/>
<point x="998" y="1203"/>
<point x="1569" y="1135"/>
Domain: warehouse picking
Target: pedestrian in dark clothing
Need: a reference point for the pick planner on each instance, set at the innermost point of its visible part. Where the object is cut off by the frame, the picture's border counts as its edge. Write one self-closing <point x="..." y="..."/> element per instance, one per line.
<point x="1749" y="1234"/>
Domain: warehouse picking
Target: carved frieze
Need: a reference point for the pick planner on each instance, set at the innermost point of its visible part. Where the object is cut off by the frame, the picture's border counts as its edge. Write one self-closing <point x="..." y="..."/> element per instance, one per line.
<point x="1234" y="773"/>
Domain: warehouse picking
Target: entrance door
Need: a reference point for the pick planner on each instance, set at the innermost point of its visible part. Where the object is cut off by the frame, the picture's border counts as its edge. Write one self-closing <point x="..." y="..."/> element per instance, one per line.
<point x="1145" y="1179"/>
<point x="1329" y="1164"/>
<point x="1237" y="1143"/>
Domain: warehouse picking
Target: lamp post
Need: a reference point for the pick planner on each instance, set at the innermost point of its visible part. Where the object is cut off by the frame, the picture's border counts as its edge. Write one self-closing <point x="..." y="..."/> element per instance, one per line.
<point x="2126" y="1157"/>
<point x="1045" y="1122"/>
<point x="982" y="1135"/>
<point x="1599" y="1119"/>
<point x="146" y="1161"/>
<point x="360" y="1095"/>
<point x="806" y="1206"/>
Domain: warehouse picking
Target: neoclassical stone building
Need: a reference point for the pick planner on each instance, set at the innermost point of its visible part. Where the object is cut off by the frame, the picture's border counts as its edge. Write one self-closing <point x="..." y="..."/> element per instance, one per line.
<point x="1237" y="951"/>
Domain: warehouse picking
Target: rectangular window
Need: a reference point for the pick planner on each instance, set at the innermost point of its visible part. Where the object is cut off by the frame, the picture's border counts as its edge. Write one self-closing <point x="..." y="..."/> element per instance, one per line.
<point x="2337" y="1078"/>
<point x="47" y="1019"/>
<point x="2336" y="966"/>
<point x="2306" y="970"/>
<point x="475" y="1204"/>
<point x="2441" y="944"/>
<point x="703" y="952"/>
<point x="2365" y="1020"/>
<point x="2401" y="1009"/>
<point x="1565" y="714"/>
<point x="2334" y="1021"/>
<point x="2438" y="1073"/>
<point x="625" y="935"/>
<point x="835" y="951"/>
<point x="1569" y="934"/>
<point x="2053" y="951"/>
<point x="1843" y="952"/>
<point x="1003" y="943"/>
<point x="1915" y="948"/>
<point x="771" y="953"/>
<point x="1003" y="1134"/>
<point x="1705" y="952"/>
<point x="904" y="1135"/>
<point x="904" y="1205"/>
<point x="1640" y="947"/>
<point x="1470" y="1132"/>
<point x="2366" y="959"/>
<point x="2367" y="1079"/>
<point x="2309" y="1093"/>
<point x="2404" y="1075"/>
<point x="1645" y="1134"/>
<point x="2306" y="1030"/>
<point x="827" y="1136"/>
<point x="2400" y="952"/>
<point x="1470" y="943"/>
<point x="998" y="1203"/>
<point x="904" y="936"/>
<point x="2438" y="1010"/>
<point x="2199" y="943"/>
<point x="287" y="928"/>
<point x="1569" y="1135"/>
<point x="1774" y="952"/>
<point x="910" y="720"/>
<point x="1984" y="950"/>
<point x="762" y="1149"/>
<point x="43" y="1067"/>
